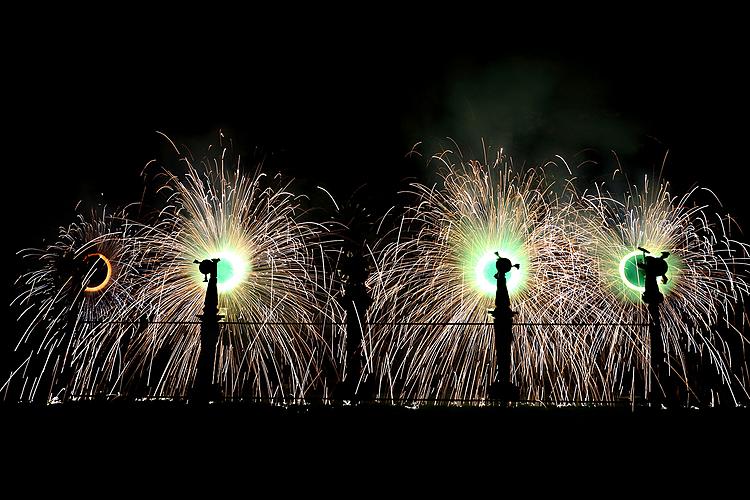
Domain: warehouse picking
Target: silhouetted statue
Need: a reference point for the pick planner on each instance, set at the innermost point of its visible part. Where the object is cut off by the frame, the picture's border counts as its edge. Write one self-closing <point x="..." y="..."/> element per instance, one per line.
<point x="205" y="390"/>
<point x="654" y="268"/>
<point x="501" y="387"/>
<point x="502" y="299"/>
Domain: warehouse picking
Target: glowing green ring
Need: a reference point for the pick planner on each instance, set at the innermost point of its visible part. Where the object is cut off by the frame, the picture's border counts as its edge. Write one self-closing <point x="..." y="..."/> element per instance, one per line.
<point x="513" y="280"/>
<point x="623" y="263"/>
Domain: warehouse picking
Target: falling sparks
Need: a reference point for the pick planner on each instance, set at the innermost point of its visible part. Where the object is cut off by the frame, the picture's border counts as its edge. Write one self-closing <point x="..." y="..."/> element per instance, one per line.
<point x="707" y="282"/>
<point x="581" y="332"/>
<point x="269" y="284"/>
<point x="135" y="331"/>
<point x="91" y="271"/>
<point x="112" y="306"/>
<point x="438" y="267"/>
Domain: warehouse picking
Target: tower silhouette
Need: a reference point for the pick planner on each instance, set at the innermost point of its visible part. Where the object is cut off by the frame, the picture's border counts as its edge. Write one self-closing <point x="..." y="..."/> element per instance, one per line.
<point x="501" y="387"/>
<point x="660" y="390"/>
<point x="204" y="389"/>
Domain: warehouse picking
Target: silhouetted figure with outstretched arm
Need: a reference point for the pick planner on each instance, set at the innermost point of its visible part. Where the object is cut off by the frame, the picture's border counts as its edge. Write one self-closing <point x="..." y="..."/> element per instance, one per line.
<point x="655" y="268"/>
<point x="501" y="387"/>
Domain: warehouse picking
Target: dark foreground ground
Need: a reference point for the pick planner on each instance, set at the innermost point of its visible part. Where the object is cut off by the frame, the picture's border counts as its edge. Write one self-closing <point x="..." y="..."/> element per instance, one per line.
<point x="377" y="444"/>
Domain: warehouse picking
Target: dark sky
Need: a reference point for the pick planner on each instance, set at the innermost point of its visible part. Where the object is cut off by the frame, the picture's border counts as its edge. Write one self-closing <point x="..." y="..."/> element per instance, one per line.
<point x="321" y="98"/>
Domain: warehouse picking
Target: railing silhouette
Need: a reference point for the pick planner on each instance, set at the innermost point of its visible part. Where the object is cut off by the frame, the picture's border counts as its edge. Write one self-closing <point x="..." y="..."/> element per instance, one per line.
<point x="343" y="323"/>
<point x="285" y="400"/>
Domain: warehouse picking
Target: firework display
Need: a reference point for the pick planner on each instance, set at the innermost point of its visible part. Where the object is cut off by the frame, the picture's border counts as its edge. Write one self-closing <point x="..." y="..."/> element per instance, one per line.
<point x="118" y="308"/>
<point x="581" y="329"/>
<point x="704" y="286"/>
<point x="438" y="267"/>
<point x="90" y="272"/>
<point x="112" y="306"/>
<point x="271" y="284"/>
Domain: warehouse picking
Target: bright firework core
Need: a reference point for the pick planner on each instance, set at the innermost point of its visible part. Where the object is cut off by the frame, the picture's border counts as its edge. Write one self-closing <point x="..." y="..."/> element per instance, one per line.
<point x="635" y="279"/>
<point x="485" y="271"/>
<point x="231" y="270"/>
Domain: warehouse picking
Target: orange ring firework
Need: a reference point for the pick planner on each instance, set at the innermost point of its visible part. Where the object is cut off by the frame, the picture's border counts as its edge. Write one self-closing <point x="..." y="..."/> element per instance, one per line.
<point x="105" y="281"/>
<point x="75" y="305"/>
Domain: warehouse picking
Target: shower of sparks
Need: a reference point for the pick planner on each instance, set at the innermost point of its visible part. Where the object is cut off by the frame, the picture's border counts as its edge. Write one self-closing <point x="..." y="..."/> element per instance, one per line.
<point x="89" y="272"/>
<point x="707" y="282"/>
<point x="438" y="266"/>
<point x="270" y="280"/>
<point x="130" y="326"/>
<point x="111" y="307"/>
<point x="578" y="256"/>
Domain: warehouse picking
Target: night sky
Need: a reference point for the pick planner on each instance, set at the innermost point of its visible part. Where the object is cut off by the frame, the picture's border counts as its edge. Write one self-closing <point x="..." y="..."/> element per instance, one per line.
<point x="340" y="105"/>
<point x="316" y="100"/>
